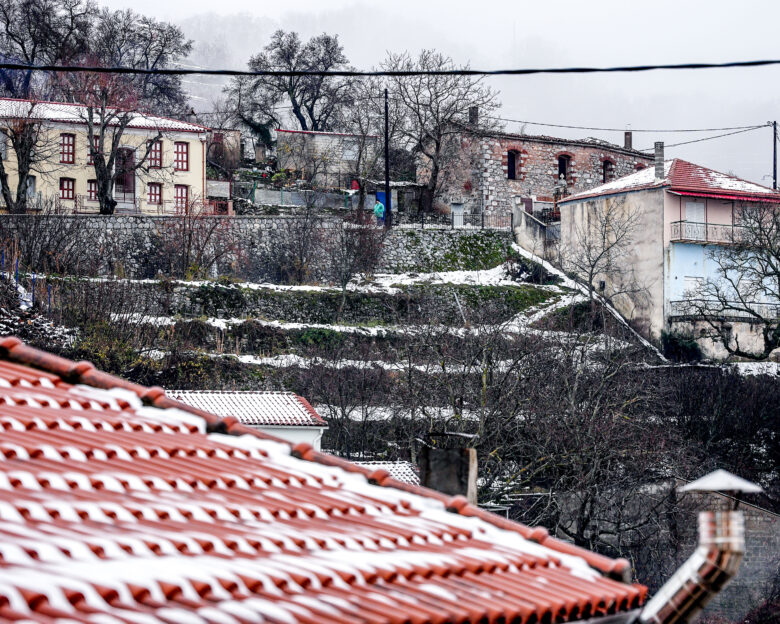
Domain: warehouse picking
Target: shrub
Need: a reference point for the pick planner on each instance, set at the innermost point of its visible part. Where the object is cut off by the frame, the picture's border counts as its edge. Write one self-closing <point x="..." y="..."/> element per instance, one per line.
<point x="680" y="347"/>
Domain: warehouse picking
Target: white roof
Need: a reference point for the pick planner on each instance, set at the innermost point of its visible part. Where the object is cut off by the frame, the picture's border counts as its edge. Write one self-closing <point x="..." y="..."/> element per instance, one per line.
<point x="265" y="409"/>
<point x="403" y="471"/>
<point x="75" y="113"/>
<point x="721" y="481"/>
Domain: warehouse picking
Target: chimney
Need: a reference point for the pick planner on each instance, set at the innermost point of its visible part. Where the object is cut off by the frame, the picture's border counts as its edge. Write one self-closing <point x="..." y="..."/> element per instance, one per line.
<point x="714" y="562"/>
<point x="659" y="160"/>
<point x="450" y="471"/>
<point x="473" y="115"/>
<point x="628" y="139"/>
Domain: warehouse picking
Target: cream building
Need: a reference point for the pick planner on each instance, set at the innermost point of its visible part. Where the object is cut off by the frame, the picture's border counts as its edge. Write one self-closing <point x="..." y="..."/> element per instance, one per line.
<point x="172" y="179"/>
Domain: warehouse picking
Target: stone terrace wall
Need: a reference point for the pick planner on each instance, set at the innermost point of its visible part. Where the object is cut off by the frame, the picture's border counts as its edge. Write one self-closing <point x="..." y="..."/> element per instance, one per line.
<point x="126" y="245"/>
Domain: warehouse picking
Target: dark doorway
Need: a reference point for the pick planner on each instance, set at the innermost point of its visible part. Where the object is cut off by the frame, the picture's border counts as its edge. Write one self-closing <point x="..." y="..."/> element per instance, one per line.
<point x="124" y="175"/>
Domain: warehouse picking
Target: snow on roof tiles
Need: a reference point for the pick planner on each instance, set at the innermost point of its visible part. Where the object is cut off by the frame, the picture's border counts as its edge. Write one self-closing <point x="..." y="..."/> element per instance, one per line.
<point x="118" y="503"/>
<point x="403" y="471"/>
<point x="74" y="113"/>
<point x="254" y="408"/>
<point x="681" y="175"/>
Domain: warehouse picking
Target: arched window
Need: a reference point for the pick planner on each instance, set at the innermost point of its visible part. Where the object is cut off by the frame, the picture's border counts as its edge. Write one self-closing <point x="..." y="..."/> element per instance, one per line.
<point x="511" y="165"/>
<point x="639" y="167"/>
<point x="607" y="171"/>
<point x="564" y="166"/>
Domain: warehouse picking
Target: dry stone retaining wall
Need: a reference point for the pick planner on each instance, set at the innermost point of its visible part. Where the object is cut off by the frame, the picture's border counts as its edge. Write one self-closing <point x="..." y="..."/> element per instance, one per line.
<point x="126" y="245"/>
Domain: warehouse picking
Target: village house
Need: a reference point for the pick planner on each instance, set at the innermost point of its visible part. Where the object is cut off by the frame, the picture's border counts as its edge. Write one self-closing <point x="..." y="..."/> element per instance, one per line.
<point x="169" y="182"/>
<point x="119" y="503"/>
<point x="326" y="159"/>
<point x="493" y="171"/>
<point x="282" y="414"/>
<point x="685" y="214"/>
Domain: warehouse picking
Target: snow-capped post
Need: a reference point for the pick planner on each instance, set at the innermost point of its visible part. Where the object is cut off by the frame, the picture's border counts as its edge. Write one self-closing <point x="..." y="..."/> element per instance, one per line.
<point x="16" y="272"/>
<point x="33" y="290"/>
<point x="48" y="287"/>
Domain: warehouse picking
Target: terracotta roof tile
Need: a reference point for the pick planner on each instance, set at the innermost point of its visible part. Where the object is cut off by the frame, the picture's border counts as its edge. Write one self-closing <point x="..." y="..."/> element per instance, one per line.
<point x="681" y="175"/>
<point x="254" y="408"/>
<point x="118" y="503"/>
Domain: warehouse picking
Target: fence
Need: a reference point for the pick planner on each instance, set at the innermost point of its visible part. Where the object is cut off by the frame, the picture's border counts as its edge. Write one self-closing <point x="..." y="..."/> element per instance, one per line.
<point x="705" y="232"/>
<point x="455" y="220"/>
<point x="702" y="307"/>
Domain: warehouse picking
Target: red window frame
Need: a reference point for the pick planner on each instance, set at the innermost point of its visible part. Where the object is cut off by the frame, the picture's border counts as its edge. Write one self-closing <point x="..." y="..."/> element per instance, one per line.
<point x="91" y="190"/>
<point x="181" y="161"/>
<point x="181" y="196"/>
<point x="95" y="148"/>
<point x="67" y="188"/>
<point x="154" y="193"/>
<point x="67" y="148"/>
<point x="155" y="155"/>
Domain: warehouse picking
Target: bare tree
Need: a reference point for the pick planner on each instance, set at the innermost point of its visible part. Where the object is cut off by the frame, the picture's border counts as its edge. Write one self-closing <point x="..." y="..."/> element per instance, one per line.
<point x="435" y="111"/>
<point x="27" y="150"/>
<point x="354" y="248"/>
<point x="41" y="32"/>
<point x="127" y="39"/>
<point x="315" y="101"/>
<point x="600" y="246"/>
<point x="746" y="283"/>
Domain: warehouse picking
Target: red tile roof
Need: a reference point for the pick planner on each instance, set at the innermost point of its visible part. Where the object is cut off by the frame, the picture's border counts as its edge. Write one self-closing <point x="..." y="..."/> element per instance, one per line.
<point x="265" y="409"/>
<point x="683" y="176"/>
<point x="120" y="504"/>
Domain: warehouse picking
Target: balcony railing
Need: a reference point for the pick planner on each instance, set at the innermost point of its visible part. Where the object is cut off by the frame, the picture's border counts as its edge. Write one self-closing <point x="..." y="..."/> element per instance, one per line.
<point x="693" y="231"/>
<point x="701" y="307"/>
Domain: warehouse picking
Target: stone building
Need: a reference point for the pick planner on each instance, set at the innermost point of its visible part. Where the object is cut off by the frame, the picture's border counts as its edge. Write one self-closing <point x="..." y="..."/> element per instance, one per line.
<point x="494" y="168"/>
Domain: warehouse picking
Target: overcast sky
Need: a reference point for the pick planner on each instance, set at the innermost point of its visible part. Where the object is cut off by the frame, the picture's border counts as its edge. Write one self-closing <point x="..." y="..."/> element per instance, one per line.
<point x="502" y="34"/>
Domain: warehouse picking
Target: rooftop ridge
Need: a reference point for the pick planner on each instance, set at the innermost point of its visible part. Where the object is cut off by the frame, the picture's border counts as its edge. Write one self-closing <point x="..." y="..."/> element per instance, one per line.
<point x="16" y="351"/>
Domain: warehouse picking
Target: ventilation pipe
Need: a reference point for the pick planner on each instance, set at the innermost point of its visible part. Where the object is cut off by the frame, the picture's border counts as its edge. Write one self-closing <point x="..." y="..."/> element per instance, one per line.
<point x="714" y="562"/>
<point x="659" y="160"/>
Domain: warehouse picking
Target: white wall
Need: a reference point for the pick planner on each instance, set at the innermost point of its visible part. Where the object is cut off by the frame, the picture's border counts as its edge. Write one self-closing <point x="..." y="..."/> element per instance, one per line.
<point x="296" y="435"/>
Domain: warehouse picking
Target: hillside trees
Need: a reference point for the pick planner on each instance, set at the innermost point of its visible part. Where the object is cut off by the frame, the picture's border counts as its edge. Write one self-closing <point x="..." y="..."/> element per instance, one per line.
<point x="435" y="110"/>
<point x="41" y="32"/>
<point x="315" y="102"/>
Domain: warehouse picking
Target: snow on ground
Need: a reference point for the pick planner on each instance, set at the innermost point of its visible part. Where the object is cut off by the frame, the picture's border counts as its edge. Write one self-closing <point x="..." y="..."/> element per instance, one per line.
<point x="757" y="368"/>
<point x="569" y="283"/>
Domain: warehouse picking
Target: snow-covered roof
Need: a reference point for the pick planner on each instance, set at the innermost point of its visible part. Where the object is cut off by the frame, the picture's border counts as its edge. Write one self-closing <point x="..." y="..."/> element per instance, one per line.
<point x="403" y="471"/>
<point x="62" y="112"/>
<point x="254" y="408"/>
<point x="685" y="177"/>
<point x="118" y="503"/>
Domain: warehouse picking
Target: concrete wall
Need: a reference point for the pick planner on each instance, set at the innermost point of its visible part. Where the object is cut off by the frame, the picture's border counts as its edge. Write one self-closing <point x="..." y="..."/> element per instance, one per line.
<point x="644" y="255"/>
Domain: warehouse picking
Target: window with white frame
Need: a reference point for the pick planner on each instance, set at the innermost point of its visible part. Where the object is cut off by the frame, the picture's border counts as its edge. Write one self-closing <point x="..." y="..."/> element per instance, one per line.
<point x="181" y="194"/>
<point x="67" y="188"/>
<point x="155" y="193"/>
<point x="67" y="149"/>
<point x="181" y="156"/>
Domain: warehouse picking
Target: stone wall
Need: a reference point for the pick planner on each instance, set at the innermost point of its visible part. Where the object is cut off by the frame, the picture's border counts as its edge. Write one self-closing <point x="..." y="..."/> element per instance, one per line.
<point x="133" y="246"/>
<point x="479" y="178"/>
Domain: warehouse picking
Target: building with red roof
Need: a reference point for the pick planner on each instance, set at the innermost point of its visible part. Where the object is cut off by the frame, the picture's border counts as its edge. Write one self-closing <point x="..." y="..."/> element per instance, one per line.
<point x="283" y="414"/>
<point x="684" y="213"/>
<point x="120" y="504"/>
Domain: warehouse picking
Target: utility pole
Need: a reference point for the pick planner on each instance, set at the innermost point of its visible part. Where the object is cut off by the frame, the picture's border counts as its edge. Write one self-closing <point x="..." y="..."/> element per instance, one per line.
<point x="774" y="155"/>
<point x="388" y="210"/>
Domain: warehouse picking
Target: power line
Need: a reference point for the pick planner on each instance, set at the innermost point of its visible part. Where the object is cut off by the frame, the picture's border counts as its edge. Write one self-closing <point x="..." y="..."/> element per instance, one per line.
<point x="552" y="125"/>
<point x="396" y="73"/>
<point x="717" y="136"/>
